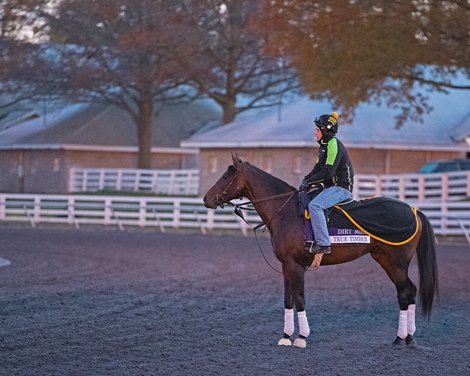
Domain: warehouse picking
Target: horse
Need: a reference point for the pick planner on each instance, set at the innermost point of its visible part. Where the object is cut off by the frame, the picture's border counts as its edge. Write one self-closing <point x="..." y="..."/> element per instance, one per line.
<point x="276" y="203"/>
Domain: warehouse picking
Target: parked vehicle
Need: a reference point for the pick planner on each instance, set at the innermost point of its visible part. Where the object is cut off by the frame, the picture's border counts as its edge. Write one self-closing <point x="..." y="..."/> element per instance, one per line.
<point x="445" y="165"/>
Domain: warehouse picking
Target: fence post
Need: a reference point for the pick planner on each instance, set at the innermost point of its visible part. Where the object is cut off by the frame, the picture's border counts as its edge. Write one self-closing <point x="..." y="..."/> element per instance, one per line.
<point x="189" y="185"/>
<point x="401" y="187"/>
<point x="142" y="213"/>
<point x="378" y="185"/>
<point x="72" y="183"/>
<point x="119" y="180"/>
<point x="84" y="181"/>
<point x="37" y="209"/>
<point x="199" y="222"/>
<point x="445" y="187"/>
<point x="444" y="217"/>
<point x="2" y="207"/>
<point x="210" y="219"/>
<point x="176" y="214"/>
<point x="101" y="181"/>
<point x="171" y="184"/>
<point x="159" y="222"/>
<point x="468" y="183"/>
<point x="421" y="188"/>
<point x="71" y="212"/>
<point x="136" y="180"/>
<point x="108" y="213"/>
<point x="154" y="182"/>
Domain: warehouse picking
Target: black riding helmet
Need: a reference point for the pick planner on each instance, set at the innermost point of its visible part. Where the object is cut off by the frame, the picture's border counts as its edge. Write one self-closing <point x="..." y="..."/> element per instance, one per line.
<point x="328" y="125"/>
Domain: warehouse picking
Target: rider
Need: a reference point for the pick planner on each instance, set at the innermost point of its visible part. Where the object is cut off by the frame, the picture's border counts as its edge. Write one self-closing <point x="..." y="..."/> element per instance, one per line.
<point x="334" y="171"/>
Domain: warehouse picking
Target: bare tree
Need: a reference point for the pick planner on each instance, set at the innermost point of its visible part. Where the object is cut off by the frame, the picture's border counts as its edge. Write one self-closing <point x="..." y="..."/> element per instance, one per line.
<point x="19" y="23"/>
<point x="19" y="18"/>
<point x="232" y="65"/>
<point x="125" y="52"/>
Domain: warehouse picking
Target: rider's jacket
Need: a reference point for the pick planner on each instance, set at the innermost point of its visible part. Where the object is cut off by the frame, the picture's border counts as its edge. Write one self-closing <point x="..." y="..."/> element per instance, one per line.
<point x="333" y="166"/>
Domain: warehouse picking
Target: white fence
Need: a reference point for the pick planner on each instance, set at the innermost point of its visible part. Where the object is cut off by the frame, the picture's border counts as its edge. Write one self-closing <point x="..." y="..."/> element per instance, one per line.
<point x="407" y="187"/>
<point x="120" y="211"/>
<point x="170" y="182"/>
<point x="447" y="218"/>
<point x="450" y="186"/>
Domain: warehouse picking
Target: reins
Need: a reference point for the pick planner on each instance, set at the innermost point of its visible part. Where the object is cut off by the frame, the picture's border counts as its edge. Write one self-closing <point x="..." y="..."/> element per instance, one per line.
<point x="239" y="207"/>
<point x="238" y="211"/>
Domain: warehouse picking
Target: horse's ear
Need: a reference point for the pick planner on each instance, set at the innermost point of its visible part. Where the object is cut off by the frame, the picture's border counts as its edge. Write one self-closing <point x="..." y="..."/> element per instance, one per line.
<point x="237" y="161"/>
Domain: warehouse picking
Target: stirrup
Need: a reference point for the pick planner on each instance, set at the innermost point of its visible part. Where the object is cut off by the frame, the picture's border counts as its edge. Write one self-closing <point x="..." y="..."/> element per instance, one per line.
<point x="309" y="245"/>
<point x="316" y="248"/>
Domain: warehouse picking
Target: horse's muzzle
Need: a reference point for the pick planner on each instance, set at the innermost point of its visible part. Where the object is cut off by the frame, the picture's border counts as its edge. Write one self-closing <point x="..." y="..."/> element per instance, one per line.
<point x="210" y="204"/>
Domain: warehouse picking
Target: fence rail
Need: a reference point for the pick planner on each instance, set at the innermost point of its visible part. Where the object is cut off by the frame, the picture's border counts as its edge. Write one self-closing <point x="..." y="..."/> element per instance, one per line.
<point x="170" y="182"/>
<point x="447" y="218"/>
<point x="450" y="186"/>
<point x="408" y="187"/>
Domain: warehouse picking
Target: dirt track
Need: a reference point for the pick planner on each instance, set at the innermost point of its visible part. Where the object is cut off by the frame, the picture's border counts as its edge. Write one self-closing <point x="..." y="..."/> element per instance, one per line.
<point x="103" y="302"/>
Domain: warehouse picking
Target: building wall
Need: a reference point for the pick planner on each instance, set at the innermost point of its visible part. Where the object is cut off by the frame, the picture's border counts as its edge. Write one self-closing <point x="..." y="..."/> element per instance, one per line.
<point x="109" y="159"/>
<point x="47" y="171"/>
<point x="26" y="171"/>
<point x="292" y="164"/>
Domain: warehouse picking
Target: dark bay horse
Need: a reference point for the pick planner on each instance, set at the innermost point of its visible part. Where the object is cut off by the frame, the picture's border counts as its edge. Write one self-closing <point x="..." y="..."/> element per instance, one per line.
<point x="276" y="202"/>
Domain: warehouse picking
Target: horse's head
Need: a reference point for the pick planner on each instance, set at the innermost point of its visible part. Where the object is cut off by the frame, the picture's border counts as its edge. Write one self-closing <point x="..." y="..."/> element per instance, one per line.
<point x="227" y="187"/>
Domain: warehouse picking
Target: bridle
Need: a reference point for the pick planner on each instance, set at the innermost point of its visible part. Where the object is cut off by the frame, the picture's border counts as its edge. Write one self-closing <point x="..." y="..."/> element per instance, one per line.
<point x="220" y="196"/>
<point x="221" y="200"/>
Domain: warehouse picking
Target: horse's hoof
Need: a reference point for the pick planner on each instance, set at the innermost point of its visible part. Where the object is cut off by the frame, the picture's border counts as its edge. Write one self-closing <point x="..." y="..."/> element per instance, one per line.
<point x="410" y="341"/>
<point x="398" y="343"/>
<point x="284" y="342"/>
<point x="301" y="343"/>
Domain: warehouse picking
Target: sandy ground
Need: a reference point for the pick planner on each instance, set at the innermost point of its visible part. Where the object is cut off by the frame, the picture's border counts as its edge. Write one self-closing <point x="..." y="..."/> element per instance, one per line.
<point x="104" y="302"/>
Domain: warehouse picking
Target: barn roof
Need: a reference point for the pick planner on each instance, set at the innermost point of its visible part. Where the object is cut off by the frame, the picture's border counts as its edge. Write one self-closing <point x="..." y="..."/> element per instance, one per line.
<point x="99" y="124"/>
<point x="446" y="127"/>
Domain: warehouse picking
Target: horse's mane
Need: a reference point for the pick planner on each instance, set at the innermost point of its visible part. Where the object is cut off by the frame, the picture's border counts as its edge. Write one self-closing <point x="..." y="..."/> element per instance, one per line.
<point x="273" y="179"/>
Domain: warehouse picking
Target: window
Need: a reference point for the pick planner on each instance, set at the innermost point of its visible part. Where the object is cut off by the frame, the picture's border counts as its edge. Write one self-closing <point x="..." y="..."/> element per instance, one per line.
<point x="56" y="165"/>
<point x="297" y="165"/>
<point x="268" y="164"/>
<point x="212" y="166"/>
<point x="13" y="164"/>
<point x="33" y="168"/>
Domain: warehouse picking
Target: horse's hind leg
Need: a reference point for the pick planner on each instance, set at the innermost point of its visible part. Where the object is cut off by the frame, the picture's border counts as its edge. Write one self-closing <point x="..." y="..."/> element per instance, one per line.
<point x="406" y="294"/>
<point x="395" y="263"/>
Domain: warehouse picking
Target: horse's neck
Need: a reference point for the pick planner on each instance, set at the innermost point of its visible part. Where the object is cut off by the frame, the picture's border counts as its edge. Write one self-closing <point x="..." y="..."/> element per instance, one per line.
<point x="262" y="189"/>
<point x="261" y="185"/>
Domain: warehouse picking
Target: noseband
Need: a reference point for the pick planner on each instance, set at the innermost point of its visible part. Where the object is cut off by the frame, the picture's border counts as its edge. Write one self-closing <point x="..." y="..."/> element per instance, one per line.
<point x="220" y="196"/>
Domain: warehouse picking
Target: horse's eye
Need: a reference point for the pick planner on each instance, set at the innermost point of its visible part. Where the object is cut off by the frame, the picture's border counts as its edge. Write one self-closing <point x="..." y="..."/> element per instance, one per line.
<point x="229" y="172"/>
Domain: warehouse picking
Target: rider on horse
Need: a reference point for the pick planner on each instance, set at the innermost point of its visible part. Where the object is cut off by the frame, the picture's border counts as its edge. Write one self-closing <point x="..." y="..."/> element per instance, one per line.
<point x="334" y="171"/>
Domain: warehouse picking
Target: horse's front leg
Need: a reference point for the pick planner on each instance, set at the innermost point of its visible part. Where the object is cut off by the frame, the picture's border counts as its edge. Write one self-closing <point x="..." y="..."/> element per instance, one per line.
<point x="294" y="296"/>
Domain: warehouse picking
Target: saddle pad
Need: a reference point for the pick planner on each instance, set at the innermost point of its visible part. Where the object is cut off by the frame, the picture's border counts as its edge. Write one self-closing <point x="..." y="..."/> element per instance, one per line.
<point x="386" y="219"/>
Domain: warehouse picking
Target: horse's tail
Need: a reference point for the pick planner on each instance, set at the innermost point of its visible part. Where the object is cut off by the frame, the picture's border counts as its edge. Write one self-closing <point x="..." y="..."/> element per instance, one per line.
<point x="427" y="266"/>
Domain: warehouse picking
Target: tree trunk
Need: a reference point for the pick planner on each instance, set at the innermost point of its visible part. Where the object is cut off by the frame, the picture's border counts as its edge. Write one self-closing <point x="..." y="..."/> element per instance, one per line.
<point x="230" y="111"/>
<point x="144" y="130"/>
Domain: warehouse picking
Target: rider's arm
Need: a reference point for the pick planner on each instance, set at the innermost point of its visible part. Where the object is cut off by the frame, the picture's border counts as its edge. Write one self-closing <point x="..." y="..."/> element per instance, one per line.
<point x="325" y="171"/>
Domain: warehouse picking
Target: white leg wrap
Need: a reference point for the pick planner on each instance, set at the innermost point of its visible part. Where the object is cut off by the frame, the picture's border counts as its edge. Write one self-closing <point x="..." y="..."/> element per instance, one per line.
<point x="304" y="329"/>
<point x="411" y="319"/>
<point x="289" y="321"/>
<point x="403" y="324"/>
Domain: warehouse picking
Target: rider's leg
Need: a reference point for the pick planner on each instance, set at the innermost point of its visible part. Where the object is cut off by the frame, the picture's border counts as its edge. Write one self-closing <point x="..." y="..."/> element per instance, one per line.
<point x="324" y="200"/>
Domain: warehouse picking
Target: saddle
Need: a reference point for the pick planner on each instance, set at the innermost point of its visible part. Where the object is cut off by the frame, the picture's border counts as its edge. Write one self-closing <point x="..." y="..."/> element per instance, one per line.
<point x="382" y="218"/>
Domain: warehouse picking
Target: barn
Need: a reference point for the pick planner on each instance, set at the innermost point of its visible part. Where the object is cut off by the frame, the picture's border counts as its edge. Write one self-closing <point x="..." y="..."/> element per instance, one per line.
<point x="281" y="140"/>
<point x="41" y="141"/>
